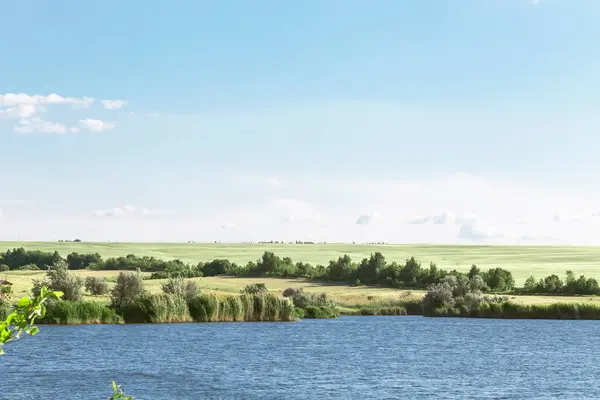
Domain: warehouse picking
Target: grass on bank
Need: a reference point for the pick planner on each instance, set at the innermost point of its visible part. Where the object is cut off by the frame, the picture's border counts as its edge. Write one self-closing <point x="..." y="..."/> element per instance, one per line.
<point x="522" y="261"/>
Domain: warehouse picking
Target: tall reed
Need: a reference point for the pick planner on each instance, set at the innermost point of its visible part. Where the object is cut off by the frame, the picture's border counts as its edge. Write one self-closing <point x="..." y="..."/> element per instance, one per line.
<point x="512" y="310"/>
<point x="79" y="312"/>
<point x="156" y="308"/>
<point x="209" y="307"/>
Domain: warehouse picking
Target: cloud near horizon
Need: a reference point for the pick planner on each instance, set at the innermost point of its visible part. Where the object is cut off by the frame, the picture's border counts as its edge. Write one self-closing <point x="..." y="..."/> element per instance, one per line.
<point x="28" y="108"/>
<point x="321" y="210"/>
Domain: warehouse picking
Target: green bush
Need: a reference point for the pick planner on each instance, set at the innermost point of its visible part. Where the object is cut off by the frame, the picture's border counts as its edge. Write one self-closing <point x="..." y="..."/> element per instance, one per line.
<point x="59" y="278"/>
<point x="127" y="288"/>
<point x="255" y="288"/>
<point x="96" y="286"/>
<point x="320" y="312"/>
<point x="299" y="312"/>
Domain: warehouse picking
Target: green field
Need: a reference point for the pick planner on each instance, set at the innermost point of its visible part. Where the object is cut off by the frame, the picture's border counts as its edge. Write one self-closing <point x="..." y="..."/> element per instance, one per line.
<point x="522" y="261"/>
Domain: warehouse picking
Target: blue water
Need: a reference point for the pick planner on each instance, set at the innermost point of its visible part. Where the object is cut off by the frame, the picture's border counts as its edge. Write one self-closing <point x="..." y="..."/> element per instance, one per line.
<point x="347" y="358"/>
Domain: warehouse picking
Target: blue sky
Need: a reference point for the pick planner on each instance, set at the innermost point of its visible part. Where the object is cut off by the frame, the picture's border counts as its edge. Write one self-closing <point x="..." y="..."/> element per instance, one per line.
<point x="416" y="121"/>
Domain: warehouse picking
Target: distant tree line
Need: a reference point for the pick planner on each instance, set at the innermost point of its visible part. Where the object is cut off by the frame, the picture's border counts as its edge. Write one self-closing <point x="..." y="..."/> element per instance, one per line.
<point x="374" y="270"/>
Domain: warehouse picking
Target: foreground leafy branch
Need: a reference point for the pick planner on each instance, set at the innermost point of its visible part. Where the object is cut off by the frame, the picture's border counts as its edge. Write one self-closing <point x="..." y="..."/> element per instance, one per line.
<point x="21" y="321"/>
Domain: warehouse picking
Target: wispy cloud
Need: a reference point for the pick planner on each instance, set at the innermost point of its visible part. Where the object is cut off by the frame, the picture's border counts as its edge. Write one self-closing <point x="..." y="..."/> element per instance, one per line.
<point x="366" y="218"/>
<point x="114" y="104"/>
<point x="127" y="210"/>
<point x="38" y="125"/>
<point x="96" y="125"/>
<point x="19" y="99"/>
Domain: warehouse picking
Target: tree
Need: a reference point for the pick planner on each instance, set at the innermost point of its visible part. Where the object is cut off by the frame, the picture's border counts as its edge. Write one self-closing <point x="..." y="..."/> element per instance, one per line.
<point x="60" y="279"/>
<point x="129" y="286"/>
<point x="96" y="286"/>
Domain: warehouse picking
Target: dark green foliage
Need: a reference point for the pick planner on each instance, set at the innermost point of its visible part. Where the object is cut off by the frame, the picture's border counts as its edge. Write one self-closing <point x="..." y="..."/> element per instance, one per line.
<point x="320" y="312"/>
<point x="28" y="267"/>
<point x="4" y="268"/>
<point x="512" y="310"/>
<point x="552" y="284"/>
<point x="128" y="286"/>
<point x="299" y="312"/>
<point x="398" y="310"/>
<point x="341" y="269"/>
<point x="96" y="286"/>
<point x="369" y="269"/>
<point x="217" y="267"/>
<point x="255" y="288"/>
<point x="19" y="257"/>
<point x="79" y="312"/>
<point x="499" y="280"/>
<point x="145" y="264"/>
<point x="58" y="278"/>
<point x="83" y="261"/>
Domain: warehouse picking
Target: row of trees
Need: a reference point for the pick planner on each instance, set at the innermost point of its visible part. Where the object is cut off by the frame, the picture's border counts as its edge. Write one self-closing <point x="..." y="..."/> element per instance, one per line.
<point x="374" y="270"/>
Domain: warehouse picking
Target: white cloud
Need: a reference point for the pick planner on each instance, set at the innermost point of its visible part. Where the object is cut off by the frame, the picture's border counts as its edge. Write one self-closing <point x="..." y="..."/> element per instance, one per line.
<point x="230" y="226"/>
<point x="478" y="233"/>
<point x="18" y="111"/>
<point x="446" y="218"/>
<point x="273" y="181"/>
<point x="126" y="210"/>
<point x="366" y="218"/>
<point x="19" y="99"/>
<point x="312" y="208"/>
<point x="96" y="125"/>
<point x="114" y="104"/>
<point x="38" y="125"/>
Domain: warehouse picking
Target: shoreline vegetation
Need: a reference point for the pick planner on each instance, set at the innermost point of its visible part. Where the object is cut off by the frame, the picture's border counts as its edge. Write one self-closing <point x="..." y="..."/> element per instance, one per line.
<point x="449" y="293"/>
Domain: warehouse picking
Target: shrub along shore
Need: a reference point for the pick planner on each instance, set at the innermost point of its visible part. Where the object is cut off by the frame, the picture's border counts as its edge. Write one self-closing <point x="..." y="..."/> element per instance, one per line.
<point x="476" y="294"/>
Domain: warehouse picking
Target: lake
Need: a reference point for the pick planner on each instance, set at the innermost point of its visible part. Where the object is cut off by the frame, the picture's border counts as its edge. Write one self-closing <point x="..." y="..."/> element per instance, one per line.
<point x="346" y="358"/>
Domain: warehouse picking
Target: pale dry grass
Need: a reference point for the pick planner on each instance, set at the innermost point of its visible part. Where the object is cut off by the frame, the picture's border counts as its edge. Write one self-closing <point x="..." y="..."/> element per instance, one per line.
<point x="344" y="295"/>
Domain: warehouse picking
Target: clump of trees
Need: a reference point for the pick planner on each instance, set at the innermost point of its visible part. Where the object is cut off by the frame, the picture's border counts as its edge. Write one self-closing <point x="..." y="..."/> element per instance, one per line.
<point x="552" y="284"/>
<point x="373" y="270"/>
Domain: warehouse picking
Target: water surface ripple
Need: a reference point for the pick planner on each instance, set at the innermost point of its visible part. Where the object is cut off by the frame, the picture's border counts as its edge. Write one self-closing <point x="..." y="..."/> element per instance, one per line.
<point x="347" y="358"/>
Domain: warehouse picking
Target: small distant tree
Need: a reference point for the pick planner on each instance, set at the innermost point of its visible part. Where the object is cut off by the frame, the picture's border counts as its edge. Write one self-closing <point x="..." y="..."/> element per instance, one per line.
<point x="530" y="285"/>
<point x="255" y="288"/>
<point x="96" y="286"/>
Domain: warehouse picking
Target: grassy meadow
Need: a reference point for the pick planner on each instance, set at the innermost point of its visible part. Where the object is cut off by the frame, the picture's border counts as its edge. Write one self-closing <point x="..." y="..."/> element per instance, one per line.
<point x="522" y="261"/>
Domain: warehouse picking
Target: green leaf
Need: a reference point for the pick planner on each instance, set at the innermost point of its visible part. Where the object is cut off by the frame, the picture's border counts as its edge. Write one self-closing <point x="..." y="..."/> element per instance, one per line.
<point x="33" y="330"/>
<point x="24" y="302"/>
<point x="56" y="295"/>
